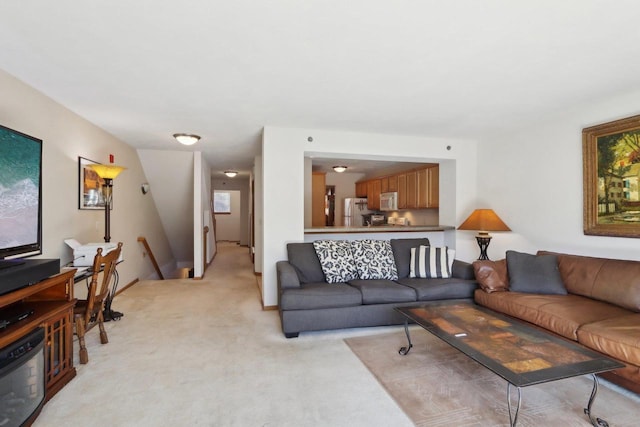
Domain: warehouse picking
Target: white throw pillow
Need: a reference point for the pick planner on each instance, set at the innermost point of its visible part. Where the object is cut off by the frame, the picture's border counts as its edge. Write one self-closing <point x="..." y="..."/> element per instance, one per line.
<point x="374" y="259"/>
<point x="336" y="260"/>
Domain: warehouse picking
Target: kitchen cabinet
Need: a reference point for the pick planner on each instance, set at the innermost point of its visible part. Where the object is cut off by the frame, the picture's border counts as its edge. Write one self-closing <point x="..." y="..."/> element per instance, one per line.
<point x="361" y="189"/>
<point x="412" y="190"/>
<point x="434" y="186"/>
<point x="384" y="184"/>
<point x="402" y="190"/>
<point x="392" y="183"/>
<point x="318" y="188"/>
<point x="373" y="194"/>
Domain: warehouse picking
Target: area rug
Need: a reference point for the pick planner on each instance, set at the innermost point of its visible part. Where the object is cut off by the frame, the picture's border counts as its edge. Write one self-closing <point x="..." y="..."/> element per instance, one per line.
<point x="437" y="386"/>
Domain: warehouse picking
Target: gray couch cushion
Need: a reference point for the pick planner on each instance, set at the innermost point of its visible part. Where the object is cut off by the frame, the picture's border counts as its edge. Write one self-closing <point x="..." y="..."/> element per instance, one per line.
<point x="402" y="253"/>
<point x="383" y="291"/>
<point x="437" y="289"/>
<point x="320" y="295"/>
<point x="303" y="257"/>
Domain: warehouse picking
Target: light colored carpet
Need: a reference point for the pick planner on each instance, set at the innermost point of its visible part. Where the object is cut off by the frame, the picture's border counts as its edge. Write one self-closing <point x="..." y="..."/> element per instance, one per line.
<point x="203" y="353"/>
<point x="438" y="386"/>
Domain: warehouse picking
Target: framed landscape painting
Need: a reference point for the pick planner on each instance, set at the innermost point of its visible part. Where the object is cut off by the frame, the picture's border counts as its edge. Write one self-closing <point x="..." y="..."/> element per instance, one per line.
<point x="611" y="174"/>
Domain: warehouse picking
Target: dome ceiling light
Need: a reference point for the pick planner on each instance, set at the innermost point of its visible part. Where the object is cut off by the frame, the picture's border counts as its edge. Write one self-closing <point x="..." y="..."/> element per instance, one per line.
<point x="230" y="174"/>
<point x="339" y="169"/>
<point x="186" y="138"/>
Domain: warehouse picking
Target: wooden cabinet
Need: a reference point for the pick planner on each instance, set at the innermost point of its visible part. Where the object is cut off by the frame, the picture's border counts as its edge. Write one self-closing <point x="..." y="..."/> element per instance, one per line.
<point x="429" y="187"/>
<point x="318" y="189"/>
<point x="412" y="190"/>
<point x="52" y="302"/>
<point x="373" y="194"/>
<point x="392" y="183"/>
<point x="384" y="184"/>
<point x="434" y="186"/>
<point x="361" y="189"/>
<point x="402" y="190"/>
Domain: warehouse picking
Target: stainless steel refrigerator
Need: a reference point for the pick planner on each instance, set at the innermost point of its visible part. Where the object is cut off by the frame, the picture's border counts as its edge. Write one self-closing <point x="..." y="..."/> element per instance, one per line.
<point x="354" y="208"/>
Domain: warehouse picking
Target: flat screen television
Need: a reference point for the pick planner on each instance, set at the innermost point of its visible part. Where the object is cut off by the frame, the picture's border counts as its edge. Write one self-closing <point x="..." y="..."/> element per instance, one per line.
<point x="20" y="196"/>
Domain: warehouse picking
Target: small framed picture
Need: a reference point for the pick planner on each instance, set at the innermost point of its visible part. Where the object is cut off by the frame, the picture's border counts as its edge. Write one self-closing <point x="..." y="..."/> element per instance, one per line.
<point x="89" y="186"/>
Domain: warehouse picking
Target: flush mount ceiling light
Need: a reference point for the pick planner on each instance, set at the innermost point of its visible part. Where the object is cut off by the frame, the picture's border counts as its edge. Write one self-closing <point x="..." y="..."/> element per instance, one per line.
<point x="230" y="174"/>
<point x="186" y="138"/>
<point x="339" y="169"/>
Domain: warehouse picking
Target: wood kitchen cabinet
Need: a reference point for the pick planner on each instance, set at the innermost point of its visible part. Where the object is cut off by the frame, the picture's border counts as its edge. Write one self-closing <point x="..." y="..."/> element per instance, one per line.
<point x="402" y="190"/>
<point x="434" y="186"/>
<point x="384" y="184"/>
<point x="412" y="190"/>
<point x="361" y="189"/>
<point x="392" y="183"/>
<point x="373" y="194"/>
<point x="318" y="189"/>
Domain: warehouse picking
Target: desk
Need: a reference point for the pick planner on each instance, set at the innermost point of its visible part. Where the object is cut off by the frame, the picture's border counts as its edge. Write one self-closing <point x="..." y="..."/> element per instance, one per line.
<point x="107" y="313"/>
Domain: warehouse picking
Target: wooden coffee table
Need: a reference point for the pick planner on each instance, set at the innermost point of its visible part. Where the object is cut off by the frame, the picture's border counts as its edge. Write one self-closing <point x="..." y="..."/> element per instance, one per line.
<point x="519" y="352"/>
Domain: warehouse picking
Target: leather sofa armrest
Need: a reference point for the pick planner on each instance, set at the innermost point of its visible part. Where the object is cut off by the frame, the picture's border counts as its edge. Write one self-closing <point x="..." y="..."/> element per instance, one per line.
<point x="287" y="276"/>
<point x="462" y="270"/>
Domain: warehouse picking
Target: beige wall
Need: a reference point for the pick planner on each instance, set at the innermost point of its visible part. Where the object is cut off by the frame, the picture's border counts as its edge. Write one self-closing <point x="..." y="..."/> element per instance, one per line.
<point x="66" y="136"/>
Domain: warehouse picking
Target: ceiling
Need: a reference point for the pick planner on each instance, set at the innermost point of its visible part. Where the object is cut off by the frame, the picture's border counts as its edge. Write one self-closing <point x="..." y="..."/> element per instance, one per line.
<point x="225" y="69"/>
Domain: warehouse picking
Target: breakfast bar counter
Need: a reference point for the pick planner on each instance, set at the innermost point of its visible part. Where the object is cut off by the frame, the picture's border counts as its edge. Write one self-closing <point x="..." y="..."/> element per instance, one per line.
<point x="435" y="233"/>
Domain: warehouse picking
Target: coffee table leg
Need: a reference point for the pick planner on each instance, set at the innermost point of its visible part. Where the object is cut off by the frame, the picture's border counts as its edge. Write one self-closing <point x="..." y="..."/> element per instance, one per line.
<point x="405" y="350"/>
<point x="513" y="417"/>
<point x="597" y="422"/>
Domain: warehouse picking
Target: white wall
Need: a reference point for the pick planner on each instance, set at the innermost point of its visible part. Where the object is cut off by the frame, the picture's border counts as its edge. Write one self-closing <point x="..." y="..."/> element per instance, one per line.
<point x="228" y="225"/>
<point x="243" y="186"/>
<point x="533" y="180"/>
<point x="283" y="152"/>
<point x="173" y="194"/>
<point x="259" y="213"/>
<point x="66" y="136"/>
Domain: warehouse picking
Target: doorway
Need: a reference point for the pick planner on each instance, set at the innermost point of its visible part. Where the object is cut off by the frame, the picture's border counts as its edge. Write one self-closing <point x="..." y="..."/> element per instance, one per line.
<point x="330" y="205"/>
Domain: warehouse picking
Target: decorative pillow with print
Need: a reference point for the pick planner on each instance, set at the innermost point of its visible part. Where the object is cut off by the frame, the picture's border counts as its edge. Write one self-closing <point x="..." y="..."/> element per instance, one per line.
<point x="430" y="262"/>
<point x="336" y="260"/>
<point x="374" y="259"/>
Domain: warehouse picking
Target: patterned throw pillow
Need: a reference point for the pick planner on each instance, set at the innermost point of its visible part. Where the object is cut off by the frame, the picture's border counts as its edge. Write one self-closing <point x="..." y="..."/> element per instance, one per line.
<point x="336" y="260"/>
<point x="430" y="262"/>
<point x="374" y="259"/>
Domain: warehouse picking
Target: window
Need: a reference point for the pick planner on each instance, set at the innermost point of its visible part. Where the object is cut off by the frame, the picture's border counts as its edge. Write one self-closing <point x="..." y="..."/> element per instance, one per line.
<point x="221" y="202"/>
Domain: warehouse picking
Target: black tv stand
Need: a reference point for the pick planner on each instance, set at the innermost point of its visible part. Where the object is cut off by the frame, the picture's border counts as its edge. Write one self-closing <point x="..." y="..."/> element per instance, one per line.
<point x="8" y="263"/>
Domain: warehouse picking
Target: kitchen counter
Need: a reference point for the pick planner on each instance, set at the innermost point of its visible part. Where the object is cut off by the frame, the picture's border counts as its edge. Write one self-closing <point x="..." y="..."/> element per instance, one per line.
<point x="378" y="229"/>
<point x="435" y="233"/>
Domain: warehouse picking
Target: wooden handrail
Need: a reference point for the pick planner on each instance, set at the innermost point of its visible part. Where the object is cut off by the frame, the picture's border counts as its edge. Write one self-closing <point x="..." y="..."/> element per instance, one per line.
<point x="151" y="257"/>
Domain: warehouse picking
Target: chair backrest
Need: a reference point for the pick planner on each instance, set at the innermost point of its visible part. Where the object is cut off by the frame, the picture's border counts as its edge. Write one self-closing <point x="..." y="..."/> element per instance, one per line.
<point x="98" y="291"/>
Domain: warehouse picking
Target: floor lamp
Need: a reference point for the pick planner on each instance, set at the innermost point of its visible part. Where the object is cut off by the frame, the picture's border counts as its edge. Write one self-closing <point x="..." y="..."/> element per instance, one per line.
<point x="108" y="174"/>
<point x="483" y="221"/>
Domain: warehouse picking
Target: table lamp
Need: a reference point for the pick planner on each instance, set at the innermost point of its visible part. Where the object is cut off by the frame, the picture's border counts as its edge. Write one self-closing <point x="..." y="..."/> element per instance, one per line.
<point x="484" y="220"/>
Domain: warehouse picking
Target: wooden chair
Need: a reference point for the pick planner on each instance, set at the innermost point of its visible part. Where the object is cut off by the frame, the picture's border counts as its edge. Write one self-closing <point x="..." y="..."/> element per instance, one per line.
<point x="88" y="313"/>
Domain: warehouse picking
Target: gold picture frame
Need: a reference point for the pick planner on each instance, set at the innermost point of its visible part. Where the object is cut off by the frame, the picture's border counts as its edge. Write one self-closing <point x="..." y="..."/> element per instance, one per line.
<point x="611" y="178"/>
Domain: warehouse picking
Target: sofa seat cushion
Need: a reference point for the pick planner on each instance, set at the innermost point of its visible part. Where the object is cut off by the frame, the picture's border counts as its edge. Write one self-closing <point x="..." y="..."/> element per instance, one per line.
<point x="383" y="291"/>
<point x="618" y="337"/>
<point x="320" y="295"/>
<point x="562" y="314"/>
<point x="437" y="289"/>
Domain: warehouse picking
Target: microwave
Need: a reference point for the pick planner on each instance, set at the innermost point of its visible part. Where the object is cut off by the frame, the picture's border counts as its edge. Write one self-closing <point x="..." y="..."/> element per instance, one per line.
<point x="389" y="201"/>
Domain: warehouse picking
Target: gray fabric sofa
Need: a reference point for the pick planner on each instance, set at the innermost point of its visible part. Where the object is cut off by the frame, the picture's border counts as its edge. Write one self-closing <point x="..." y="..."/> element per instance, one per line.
<point x="306" y="302"/>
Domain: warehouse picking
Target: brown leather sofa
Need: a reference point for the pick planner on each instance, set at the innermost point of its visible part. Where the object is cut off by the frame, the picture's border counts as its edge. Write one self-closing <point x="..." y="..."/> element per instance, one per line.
<point x="601" y="310"/>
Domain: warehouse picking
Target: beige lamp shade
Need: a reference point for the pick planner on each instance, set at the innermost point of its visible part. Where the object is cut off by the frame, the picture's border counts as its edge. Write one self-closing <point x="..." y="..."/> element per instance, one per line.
<point x="483" y="220"/>
<point x="107" y="171"/>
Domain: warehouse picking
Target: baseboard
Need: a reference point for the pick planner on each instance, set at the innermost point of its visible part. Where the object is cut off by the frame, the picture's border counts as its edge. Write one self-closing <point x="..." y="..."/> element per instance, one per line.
<point x="269" y="307"/>
<point x="257" y="273"/>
